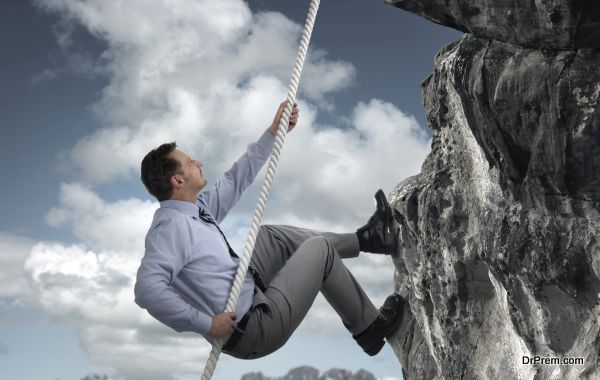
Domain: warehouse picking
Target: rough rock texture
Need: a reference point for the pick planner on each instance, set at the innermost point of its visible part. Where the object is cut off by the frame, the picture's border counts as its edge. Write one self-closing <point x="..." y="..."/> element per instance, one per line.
<point x="500" y="231"/>
<point x="548" y="24"/>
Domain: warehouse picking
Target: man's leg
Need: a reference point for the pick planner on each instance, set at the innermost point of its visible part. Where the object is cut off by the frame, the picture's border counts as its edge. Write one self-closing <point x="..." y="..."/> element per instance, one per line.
<point x="293" y="277"/>
<point x="315" y="266"/>
<point x="275" y="244"/>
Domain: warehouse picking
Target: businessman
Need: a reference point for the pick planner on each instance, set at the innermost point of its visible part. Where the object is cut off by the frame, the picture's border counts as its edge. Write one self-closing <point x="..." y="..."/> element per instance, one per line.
<point x="186" y="274"/>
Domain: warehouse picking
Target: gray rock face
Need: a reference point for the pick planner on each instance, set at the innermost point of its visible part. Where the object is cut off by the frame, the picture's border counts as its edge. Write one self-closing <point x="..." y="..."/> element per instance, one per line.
<point x="500" y="232"/>
<point x="548" y="24"/>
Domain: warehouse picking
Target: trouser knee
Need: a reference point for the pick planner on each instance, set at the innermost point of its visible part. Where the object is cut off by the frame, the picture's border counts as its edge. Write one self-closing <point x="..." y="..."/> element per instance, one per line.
<point x="321" y="247"/>
<point x="317" y="244"/>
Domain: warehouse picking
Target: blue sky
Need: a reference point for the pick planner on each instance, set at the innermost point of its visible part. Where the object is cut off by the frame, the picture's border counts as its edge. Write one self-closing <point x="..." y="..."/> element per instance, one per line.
<point x="89" y="86"/>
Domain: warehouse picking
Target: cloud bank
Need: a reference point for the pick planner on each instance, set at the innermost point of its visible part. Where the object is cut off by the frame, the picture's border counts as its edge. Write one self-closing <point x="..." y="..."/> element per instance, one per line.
<point x="15" y="290"/>
<point x="210" y="75"/>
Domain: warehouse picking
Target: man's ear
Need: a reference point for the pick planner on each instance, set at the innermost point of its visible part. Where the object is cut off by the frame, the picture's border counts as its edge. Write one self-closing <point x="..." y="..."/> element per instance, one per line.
<point x="176" y="181"/>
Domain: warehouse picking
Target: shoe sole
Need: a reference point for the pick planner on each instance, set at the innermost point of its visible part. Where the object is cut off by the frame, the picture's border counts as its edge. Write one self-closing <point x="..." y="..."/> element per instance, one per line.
<point x="376" y="347"/>
<point x="390" y="230"/>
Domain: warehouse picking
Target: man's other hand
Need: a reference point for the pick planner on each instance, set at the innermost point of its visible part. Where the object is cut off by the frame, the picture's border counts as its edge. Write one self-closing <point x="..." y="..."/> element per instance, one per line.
<point x="293" y="118"/>
<point x="222" y="325"/>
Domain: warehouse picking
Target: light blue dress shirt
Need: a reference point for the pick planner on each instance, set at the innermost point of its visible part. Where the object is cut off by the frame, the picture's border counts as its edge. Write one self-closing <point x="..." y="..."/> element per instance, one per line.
<point x="187" y="272"/>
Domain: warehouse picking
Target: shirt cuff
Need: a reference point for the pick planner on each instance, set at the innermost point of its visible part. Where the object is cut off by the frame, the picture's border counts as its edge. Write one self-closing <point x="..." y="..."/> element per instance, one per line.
<point x="202" y="323"/>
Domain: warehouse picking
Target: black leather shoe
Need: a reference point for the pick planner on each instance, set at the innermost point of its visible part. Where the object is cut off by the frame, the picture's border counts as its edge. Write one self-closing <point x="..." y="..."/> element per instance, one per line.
<point x="380" y="234"/>
<point x="390" y="316"/>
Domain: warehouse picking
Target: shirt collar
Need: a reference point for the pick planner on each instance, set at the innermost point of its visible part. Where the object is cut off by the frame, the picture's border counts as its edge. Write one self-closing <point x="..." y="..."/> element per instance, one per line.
<point x="187" y="208"/>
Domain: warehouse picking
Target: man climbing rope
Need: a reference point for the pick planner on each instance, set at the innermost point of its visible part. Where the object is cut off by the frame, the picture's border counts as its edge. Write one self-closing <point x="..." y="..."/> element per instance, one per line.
<point x="188" y="268"/>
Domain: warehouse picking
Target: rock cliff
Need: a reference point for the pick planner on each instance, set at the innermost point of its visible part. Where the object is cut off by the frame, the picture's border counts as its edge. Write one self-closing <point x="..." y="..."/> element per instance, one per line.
<point x="500" y="232"/>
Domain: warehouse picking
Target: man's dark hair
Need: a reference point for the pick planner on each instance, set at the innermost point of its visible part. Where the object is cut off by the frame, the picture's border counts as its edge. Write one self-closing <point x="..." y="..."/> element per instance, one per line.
<point x="157" y="170"/>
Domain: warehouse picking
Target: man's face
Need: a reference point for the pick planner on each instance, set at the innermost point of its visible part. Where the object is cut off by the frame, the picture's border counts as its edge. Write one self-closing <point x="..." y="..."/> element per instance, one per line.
<point x="190" y="169"/>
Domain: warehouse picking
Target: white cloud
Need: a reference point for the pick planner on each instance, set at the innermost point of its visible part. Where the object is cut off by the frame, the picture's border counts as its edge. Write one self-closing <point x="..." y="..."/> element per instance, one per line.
<point x="208" y="74"/>
<point x="46" y="75"/>
<point x="117" y="226"/>
<point x="13" y="250"/>
<point x="342" y="168"/>
<point x="182" y="72"/>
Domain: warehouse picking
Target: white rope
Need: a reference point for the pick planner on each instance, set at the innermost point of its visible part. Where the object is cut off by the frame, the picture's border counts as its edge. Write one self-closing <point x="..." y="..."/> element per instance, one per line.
<point x="266" y="186"/>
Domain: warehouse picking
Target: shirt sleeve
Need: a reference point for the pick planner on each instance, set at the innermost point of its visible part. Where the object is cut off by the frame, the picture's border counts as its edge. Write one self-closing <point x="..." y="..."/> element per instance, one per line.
<point x="227" y="191"/>
<point x="167" y="250"/>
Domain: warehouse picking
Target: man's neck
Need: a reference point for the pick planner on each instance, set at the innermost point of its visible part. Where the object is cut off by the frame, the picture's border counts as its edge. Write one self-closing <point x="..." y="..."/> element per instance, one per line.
<point x="184" y="197"/>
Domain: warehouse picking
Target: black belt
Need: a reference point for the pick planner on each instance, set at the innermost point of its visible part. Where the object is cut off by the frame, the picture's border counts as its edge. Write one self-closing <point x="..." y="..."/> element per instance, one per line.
<point x="238" y="332"/>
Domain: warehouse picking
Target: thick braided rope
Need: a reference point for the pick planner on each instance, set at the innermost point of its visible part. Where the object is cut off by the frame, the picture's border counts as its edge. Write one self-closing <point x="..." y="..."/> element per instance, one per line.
<point x="266" y="186"/>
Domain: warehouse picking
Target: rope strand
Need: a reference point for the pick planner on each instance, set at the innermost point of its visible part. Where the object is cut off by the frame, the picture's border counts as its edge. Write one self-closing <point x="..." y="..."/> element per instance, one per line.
<point x="266" y="186"/>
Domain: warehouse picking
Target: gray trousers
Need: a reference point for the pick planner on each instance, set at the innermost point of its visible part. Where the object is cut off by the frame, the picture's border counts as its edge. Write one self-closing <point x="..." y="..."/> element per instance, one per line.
<point x="294" y="264"/>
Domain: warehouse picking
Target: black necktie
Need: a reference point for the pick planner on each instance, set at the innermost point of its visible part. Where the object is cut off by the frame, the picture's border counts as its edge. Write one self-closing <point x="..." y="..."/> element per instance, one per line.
<point x="257" y="277"/>
<point x="208" y="219"/>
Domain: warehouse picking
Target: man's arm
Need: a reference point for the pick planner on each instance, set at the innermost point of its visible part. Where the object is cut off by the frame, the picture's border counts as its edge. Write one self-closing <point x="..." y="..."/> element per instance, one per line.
<point x="167" y="247"/>
<point x="227" y="191"/>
